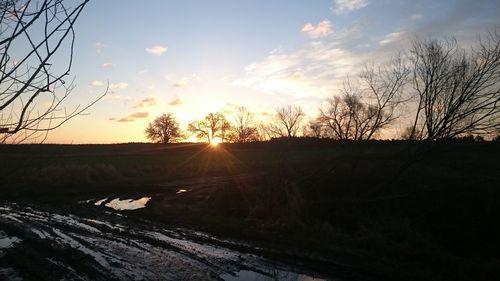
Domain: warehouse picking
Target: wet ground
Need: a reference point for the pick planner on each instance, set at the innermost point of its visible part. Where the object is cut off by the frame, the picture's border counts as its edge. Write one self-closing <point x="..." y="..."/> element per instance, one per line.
<point x="105" y="244"/>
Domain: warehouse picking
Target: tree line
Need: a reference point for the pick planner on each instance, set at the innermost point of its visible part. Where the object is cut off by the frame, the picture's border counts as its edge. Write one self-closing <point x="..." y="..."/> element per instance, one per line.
<point x="441" y="89"/>
<point x="438" y="89"/>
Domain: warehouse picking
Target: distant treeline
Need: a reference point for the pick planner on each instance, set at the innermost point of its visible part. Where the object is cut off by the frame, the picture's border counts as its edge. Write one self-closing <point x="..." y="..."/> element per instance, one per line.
<point x="439" y="88"/>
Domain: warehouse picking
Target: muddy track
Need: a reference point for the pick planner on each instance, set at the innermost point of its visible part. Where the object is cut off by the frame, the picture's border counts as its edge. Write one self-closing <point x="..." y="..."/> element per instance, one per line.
<point x="42" y="244"/>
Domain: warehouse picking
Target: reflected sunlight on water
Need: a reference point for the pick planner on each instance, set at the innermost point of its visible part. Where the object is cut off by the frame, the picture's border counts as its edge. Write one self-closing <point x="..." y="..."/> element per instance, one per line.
<point x="7" y="242"/>
<point x="128" y="204"/>
<point x="98" y="203"/>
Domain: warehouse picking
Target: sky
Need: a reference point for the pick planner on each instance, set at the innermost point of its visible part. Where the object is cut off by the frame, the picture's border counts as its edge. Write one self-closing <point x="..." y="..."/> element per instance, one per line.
<point x="194" y="57"/>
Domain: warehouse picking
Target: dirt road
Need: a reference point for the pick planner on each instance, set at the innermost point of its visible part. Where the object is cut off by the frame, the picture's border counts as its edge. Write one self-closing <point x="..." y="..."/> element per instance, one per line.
<point x="41" y="244"/>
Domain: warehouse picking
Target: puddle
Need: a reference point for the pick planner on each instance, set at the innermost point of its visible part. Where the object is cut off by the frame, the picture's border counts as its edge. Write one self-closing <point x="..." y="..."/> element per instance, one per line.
<point x="197" y="248"/>
<point x="98" y="203"/>
<point x="113" y="247"/>
<point x="128" y="204"/>
<point x="108" y="225"/>
<point x="181" y="191"/>
<point x="7" y="242"/>
<point x="40" y="233"/>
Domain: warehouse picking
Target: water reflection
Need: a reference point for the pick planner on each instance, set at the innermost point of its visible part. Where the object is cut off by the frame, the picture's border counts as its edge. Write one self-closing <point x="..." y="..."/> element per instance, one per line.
<point x="134" y="250"/>
<point x="98" y="203"/>
<point x="128" y="204"/>
<point x="181" y="191"/>
<point x="7" y="242"/>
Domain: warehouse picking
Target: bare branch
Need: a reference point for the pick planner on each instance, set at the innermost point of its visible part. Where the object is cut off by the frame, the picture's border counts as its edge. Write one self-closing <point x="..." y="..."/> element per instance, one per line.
<point x="32" y="90"/>
<point x="458" y="91"/>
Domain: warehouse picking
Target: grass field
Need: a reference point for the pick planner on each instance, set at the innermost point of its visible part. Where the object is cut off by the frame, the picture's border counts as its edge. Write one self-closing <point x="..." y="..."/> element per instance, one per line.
<point x="404" y="211"/>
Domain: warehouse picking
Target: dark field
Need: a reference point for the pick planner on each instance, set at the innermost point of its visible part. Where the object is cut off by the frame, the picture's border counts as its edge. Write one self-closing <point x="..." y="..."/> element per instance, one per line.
<point x="349" y="210"/>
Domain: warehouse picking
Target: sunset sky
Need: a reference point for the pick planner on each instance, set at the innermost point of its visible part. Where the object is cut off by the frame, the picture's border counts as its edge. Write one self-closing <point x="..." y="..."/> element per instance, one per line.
<point x="193" y="57"/>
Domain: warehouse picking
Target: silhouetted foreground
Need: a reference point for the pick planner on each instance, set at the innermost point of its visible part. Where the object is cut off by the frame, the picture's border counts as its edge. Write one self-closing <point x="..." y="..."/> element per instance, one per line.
<point x="93" y="245"/>
<point x="390" y="210"/>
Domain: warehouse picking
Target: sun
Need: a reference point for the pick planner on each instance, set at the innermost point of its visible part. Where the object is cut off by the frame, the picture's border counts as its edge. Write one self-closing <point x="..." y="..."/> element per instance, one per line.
<point x="214" y="143"/>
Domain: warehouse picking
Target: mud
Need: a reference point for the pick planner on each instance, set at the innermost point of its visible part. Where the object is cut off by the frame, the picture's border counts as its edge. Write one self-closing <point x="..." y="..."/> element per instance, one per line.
<point x="37" y="243"/>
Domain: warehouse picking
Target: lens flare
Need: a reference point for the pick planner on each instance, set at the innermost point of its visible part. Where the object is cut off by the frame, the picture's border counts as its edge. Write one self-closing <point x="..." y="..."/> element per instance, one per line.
<point x="214" y="143"/>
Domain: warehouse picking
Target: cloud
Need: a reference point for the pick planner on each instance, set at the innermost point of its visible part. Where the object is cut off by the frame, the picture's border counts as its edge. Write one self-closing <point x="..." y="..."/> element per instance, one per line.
<point x="347" y="6"/>
<point x="322" y="29"/>
<point x="107" y="65"/>
<point x="143" y="72"/>
<point x="391" y="37"/>
<point x="416" y="17"/>
<point x="175" y="102"/>
<point x="147" y="102"/>
<point x="312" y="71"/>
<point x="181" y="83"/>
<point x="113" y="96"/>
<point x="131" y="117"/>
<point x="99" y="46"/>
<point x="156" y="50"/>
<point x="119" y="85"/>
<point x="96" y="83"/>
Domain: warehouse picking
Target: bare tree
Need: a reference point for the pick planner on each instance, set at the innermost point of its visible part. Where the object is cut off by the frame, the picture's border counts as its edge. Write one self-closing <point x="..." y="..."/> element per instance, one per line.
<point x="212" y="126"/>
<point x="33" y="36"/>
<point x="286" y="121"/>
<point x="383" y="89"/>
<point x="244" y="129"/>
<point x="457" y="90"/>
<point x="367" y="106"/>
<point x="346" y="117"/>
<point x="164" y="129"/>
<point x="225" y="129"/>
<point x="314" y="129"/>
<point x="200" y="129"/>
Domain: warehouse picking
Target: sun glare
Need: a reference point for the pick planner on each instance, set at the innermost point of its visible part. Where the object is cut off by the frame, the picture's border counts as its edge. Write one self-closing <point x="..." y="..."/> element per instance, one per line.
<point x="214" y="143"/>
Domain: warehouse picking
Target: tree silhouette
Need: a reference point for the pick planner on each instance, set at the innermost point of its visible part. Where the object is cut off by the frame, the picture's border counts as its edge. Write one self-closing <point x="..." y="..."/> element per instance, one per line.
<point x="164" y="129"/>
<point x="32" y="89"/>
<point x="244" y="129"/>
<point x="367" y="106"/>
<point x="346" y="117"/>
<point x="286" y="121"/>
<point x="457" y="90"/>
<point x="314" y="129"/>
<point x="200" y="129"/>
<point x="212" y="126"/>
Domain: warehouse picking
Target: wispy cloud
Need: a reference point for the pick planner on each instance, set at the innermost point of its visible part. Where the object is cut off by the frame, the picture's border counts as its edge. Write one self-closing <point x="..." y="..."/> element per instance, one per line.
<point x="156" y="50"/>
<point x="147" y="102"/>
<point x="143" y="72"/>
<point x="416" y="17"/>
<point x="96" y="83"/>
<point x="322" y="29"/>
<point x="131" y="117"/>
<point x="99" y="46"/>
<point x="113" y="96"/>
<point x="181" y="83"/>
<point x="119" y="85"/>
<point x="312" y="71"/>
<point x="107" y="65"/>
<point x="391" y="37"/>
<point x="347" y="6"/>
<point x="175" y="102"/>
